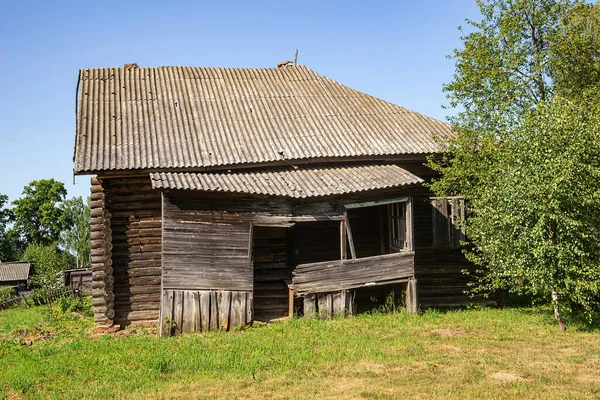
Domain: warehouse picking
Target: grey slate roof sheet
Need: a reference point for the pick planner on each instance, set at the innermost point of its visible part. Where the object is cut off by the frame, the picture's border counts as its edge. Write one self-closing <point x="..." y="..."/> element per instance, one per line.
<point x="14" y="271"/>
<point x="295" y="183"/>
<point x="183" y="118"/>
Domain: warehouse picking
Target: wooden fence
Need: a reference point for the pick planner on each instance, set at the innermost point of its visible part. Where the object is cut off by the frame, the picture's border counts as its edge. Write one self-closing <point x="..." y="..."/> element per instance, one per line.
<point x="31" y="298"/>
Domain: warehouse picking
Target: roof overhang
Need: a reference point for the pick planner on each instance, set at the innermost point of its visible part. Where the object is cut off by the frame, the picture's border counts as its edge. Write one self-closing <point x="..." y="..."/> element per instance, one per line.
<point x="296" y="183"/>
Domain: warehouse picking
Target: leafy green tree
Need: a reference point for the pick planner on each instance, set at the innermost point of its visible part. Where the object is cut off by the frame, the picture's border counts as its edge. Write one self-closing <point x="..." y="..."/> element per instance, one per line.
<point x="523" y="155"/>
<point x="38" y="215"/>
<point x="537" y="225"/>
<point x="48" y="261"/>
<point x="10" y="245"/>
<point x="76" y="237"/>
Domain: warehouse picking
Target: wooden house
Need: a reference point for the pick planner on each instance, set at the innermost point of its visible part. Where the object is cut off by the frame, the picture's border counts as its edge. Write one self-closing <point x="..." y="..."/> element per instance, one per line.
<point x="224" y="195"/>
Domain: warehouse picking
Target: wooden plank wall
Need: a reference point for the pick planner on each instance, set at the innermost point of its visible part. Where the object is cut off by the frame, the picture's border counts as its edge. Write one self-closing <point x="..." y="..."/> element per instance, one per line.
<point x="203" y="252"/>
<point x="186" y="311"/>
<point x="136" y="250"/>
<point x="331" y="276"/>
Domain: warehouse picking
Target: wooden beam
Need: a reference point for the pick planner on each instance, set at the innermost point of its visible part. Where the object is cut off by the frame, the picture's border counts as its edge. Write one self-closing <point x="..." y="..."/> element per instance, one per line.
<point x="349" y="233"/>
<point x="343" y="240"/>
<point x="376" y="202"/>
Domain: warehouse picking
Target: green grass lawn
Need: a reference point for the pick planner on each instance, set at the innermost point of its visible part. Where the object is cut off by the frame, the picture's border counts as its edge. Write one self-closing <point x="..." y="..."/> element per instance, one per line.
<point x="480" y="353"/>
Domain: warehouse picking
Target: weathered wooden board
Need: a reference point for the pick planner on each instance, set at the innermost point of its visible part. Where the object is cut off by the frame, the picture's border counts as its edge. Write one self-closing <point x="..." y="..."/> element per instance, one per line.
<point x="327" y="305"/>
<point x="330" y="276"/>
<point x="184" y="311"/>
<point x="201" y="253"/>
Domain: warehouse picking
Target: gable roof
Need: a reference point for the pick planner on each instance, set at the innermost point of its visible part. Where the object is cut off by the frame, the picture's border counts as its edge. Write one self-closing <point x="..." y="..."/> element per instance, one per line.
<point x="14" y="271"/>
<point x="184" y="118"/>
<point x="295" y="183"/>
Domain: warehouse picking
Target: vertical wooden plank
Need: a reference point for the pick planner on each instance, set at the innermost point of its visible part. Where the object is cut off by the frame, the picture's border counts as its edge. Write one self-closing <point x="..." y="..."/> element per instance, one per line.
<point x="178" y="311"/>
<point x="224" y="306"/>
<point x="409" y="225"/>
<point x="196" y="299"/>
<point x="214" y="311"/>
<point x="204" y="309"/>
<point x="309" y="306"/>
<point x="411" y="296"/>
<point x="325" y="305"/>
<point x="187" y="323"/>
<point x="338" y="303"/>
<point x="167" y="312"/>
<point x="343" y="240"/>
<point x="249" y="307"/>
<point x="235" y="319"/>
<point x="349" y="233"/>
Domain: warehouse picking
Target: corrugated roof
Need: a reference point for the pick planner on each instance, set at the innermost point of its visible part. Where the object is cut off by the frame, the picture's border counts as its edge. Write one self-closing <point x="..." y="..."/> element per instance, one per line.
<point x="14" y="271"/>
<point x="296" y="183"/>
<point x="184" y="117"/>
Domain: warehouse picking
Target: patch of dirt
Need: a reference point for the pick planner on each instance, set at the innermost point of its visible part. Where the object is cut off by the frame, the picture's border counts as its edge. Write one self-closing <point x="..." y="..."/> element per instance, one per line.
<point x="372" y="367"/>
<point x="28" y="337"/>
<point x="450" y="332"/>
<point x="506" y="377"/>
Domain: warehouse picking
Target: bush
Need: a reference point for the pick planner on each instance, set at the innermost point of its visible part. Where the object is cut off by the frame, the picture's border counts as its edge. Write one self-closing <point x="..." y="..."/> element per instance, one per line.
<point x="69" y="304"/>
<point x="7" y="293"/>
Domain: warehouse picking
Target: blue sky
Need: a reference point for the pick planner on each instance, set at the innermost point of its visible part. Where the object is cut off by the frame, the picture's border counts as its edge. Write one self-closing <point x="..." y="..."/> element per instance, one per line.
<point x="395" y="50"/>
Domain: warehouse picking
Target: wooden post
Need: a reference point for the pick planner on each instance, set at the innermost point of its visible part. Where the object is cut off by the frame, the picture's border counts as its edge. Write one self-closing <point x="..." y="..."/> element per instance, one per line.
<point x="343" y="240"/>
<point x="290" y="301"/>
<point x="411" y="296"/>
<point x="349" y="233"/>
<point x="409" y="225"/>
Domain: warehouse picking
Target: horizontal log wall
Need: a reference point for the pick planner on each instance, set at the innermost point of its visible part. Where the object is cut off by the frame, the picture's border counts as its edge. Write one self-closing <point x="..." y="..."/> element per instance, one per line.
<point x="186" y="311"/>
<point x="101" y="246"/>
<point x="332" y="276"/>
<point x="136" y="250"/>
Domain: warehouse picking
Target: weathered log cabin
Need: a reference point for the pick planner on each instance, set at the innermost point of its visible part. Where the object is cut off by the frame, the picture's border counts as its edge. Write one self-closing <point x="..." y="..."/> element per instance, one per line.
<point x="222" y="196"/>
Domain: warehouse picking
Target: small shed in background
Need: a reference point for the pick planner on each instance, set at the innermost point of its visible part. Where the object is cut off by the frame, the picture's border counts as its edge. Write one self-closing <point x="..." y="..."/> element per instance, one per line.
<point x="16" y="274"/>
<point x="79" y="279"/>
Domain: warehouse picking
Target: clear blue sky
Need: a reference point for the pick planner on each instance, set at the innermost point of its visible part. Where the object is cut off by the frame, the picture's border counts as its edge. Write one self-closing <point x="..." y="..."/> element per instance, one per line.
<point x="394" y="50"/>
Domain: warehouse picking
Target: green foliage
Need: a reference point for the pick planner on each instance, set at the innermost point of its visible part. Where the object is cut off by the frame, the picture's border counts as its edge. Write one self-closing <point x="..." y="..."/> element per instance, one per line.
<point x="38" y="215"/>
<point x="48" y="260"/>
<point x="575" y="49"/>
<point x="525" y="157"/>
<point x="69" y="304"/>
<point x="7" y="293"/>
<point x="76" y="238"/>
<point x="10" y="243"/>
<point x="536" y="226"/>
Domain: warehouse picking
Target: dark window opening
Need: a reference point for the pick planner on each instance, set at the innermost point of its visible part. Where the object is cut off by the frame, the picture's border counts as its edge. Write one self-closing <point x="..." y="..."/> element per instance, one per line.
<point x="448" y="212"/>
